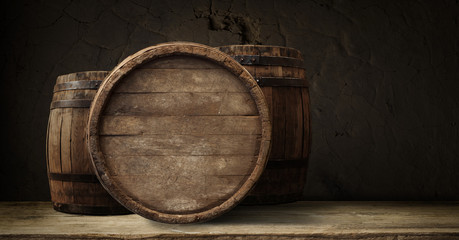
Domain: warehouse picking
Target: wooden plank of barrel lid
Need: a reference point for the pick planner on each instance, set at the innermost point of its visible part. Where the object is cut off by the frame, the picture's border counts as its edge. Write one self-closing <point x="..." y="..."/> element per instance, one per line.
<point x="280" y="73"/>
<point x="73" y="184"/>
<point x="179" y="132"/>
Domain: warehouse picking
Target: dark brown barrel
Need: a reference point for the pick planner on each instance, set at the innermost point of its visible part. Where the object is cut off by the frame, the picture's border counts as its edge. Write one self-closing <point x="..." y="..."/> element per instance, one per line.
<point x="73" y="184"/>
<point x="179" y="132"/>
<point x="280" y="73"/>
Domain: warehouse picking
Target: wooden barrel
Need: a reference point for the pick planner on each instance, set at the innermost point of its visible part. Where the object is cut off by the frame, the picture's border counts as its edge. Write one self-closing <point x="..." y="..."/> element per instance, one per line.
<point x="73" y="184"/>
<point x="280" y="73"/>
<point x="179" y="132"/>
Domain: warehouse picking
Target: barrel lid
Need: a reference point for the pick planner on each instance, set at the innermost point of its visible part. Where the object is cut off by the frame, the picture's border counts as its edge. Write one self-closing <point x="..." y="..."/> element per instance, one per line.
<point x="179" y="132"/>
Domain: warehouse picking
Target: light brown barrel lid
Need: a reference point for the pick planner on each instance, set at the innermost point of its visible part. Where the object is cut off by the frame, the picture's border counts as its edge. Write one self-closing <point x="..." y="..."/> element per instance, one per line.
<point x="179" y="132"/>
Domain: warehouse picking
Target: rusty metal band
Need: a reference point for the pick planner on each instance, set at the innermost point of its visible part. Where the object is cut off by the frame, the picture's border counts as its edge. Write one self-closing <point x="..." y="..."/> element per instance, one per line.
<point x="76" y="103"/>
<point x="281" y="82"/>
<point x="73" y="177"/>
<point x="88" y="209"/>
<point x="268" y="60"/>
<point x="283" y="163"/>
<point x="78" y="85"/>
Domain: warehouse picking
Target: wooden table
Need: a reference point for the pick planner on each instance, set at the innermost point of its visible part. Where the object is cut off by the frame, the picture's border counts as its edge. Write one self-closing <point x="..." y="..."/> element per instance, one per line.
<point x="300" y="220"/>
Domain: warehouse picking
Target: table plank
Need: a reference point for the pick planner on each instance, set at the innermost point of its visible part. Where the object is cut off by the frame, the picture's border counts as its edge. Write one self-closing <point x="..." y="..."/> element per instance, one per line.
<point x="300" y="220"/>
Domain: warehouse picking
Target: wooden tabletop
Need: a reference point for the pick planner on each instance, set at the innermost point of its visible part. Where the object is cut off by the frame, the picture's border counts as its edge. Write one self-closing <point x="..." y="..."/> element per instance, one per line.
<point x="300" y="220"/>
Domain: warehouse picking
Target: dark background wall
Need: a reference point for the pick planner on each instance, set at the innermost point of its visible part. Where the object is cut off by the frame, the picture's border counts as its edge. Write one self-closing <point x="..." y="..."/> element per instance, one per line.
<point x="384" y="79"/>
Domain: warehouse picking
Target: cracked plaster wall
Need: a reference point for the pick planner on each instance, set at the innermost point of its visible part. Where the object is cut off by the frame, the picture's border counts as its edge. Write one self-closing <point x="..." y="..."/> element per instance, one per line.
<point x="384" y="81"/>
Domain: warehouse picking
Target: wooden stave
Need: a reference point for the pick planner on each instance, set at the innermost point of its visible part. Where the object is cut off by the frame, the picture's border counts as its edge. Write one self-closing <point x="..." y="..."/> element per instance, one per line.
<point x="289" y="180"/>
<point x="71" y="194"/>
<point x="137" y="59"/>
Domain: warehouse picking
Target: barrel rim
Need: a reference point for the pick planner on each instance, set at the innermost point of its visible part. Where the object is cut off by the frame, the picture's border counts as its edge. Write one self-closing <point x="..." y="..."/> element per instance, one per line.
<point x="83" y="72"/>
<point x="77" y="76"/>
<point x="150" y="54"/>
<point x="264" y="46"/>
<point x="259" y="45"/>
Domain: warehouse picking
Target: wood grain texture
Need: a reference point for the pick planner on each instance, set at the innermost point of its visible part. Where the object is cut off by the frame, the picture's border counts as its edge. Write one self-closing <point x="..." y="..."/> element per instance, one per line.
<point x="301" y="220"/>
<point x="179" y="145"/>
<point x="207" y="80"/>
<point x="179" y="133"/>
<point x="67" y="154"/>
<point x="179" y="165"/>
<point x="194" y="104"/>
<point x="289" y="108"/>
<point x="137" y="125"/>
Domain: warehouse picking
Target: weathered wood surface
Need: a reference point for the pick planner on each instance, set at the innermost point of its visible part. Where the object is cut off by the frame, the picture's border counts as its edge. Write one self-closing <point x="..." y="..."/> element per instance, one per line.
<point x="181" y="104"/>
<point x="300" y="220"/>
<point x="134" y="125"/>
<point x="285" y="175"/>
<point x="179" y="133"/>
<point x="73" y="184"/>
